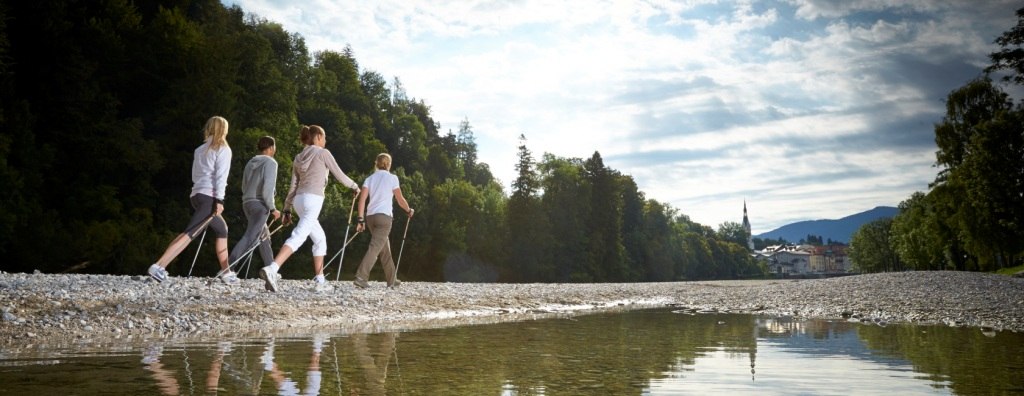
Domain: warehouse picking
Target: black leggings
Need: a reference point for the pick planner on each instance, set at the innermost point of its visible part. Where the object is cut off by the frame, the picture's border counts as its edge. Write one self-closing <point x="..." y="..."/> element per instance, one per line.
<point x="201" y="217"/>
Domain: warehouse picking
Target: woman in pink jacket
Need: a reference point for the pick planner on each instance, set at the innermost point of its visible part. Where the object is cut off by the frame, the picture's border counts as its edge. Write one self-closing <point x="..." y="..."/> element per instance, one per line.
<point x="306" y="193"/>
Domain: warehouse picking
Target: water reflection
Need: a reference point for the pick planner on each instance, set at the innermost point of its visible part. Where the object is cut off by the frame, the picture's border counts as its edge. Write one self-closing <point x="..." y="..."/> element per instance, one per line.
<point x="282" y="380"/>
<point x="631" y="353"/>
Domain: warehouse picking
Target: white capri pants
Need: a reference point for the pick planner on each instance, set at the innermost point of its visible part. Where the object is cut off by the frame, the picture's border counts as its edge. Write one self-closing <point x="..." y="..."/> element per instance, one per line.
<point x="307" y="207"/>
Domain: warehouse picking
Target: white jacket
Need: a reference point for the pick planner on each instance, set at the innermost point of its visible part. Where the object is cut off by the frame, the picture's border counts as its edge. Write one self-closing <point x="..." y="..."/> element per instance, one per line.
<point x="210" y="170"/>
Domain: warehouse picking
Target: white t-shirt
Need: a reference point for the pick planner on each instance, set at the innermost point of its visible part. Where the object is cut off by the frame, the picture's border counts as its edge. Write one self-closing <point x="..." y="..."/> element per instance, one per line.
<point x="382" y="185"/>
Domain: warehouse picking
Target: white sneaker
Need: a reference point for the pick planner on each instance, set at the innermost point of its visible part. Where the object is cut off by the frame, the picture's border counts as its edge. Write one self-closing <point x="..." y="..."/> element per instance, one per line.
<point x="320" y="284"/>
<point x="158" y="273"/>
<point x="230" y="278"/>
<point x="270" y="278"/>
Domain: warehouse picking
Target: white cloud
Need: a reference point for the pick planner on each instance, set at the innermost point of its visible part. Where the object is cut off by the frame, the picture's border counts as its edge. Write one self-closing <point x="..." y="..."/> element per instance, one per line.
<point x="806" y="109"/>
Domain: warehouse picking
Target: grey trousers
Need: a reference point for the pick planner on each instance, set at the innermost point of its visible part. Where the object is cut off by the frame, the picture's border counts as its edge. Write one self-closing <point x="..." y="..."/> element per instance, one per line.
<point x="380" y="246"/>
<point x="256" y="213"/>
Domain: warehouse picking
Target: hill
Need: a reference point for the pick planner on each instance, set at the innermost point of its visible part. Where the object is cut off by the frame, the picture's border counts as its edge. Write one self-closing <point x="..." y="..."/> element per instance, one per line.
<point x="840" y="230"/>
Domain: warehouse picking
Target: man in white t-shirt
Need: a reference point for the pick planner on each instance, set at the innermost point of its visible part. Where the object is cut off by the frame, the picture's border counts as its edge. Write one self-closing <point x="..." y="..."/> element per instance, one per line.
<point x="381" y="187"/>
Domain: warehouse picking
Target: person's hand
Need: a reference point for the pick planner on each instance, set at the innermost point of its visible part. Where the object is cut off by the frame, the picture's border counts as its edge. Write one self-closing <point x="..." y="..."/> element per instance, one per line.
<point x="287" y="218"/>
<point x="356" y="190"/>
<point x="276" y="213"/>
<point x="411" y="212"/>
<point x="218" y="209"/>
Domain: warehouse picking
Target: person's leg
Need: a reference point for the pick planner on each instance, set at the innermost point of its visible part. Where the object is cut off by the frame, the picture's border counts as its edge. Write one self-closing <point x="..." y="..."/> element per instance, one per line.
<point x="202" y="210"/>
<point x="380" y="227"/>
<point x="177" y="245"/>
<point x="256" y="217"/>
<point x="387" y="263"/>
<point x="220" y="229"/>
<point x="307" y="207"/>
<point x="313" y="205"/>
<point x="319" y="239"/>
<point x="266" y="252"/>
<point x="221" y="244"/>
<point x="283" y="254"/>
<point x="318" y="265"/>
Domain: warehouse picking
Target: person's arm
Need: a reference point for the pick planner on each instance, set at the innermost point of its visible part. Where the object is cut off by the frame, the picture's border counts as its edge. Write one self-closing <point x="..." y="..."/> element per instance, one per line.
<point x="402" y="202"/>
<point x="221" y="167"/>
<point x="332" y="166"/>
<point x="361" y="220"/>
<point x="270" y="187"/>
<point x="291" y="196"/>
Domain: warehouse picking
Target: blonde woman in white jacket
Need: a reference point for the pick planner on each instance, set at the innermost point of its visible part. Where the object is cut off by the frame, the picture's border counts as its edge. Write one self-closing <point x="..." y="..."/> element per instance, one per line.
<point x="306" y="193"/>
<point x="210" y="166"/>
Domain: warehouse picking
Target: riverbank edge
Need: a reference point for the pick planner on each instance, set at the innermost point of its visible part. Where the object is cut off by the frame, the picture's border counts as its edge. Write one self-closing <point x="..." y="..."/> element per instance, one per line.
<point x="48" y="309"/>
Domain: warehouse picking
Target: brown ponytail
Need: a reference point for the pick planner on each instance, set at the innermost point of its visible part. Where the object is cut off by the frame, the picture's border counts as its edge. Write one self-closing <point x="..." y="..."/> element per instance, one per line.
<point x="309" y="132"/>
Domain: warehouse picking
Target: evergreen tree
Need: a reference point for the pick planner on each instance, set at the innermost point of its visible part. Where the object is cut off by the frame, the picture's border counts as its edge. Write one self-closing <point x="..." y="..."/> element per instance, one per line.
<point x="527" y="226"/>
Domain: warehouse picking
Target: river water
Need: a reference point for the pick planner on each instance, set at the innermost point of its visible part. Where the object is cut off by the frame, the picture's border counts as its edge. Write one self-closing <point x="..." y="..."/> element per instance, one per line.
<point x="643" y="352"/>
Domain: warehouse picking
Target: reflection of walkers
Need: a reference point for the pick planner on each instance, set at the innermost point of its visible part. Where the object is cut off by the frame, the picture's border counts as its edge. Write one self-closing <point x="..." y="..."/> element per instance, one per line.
<point x="259" y="181"/>
<point x="210" y="167"/>
<point x="164" y="378"/>
<point x="379" y="188"/>
<point x="213" y="376"/>
<point x="313" y="376"/>
<point x="284" y="384"/>
<point x="306" y="193"/>
<point x="374" y="363"/>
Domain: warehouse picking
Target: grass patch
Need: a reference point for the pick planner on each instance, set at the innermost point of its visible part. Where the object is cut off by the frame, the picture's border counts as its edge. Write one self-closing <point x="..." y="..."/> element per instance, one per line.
<point x="1011" y="270"/>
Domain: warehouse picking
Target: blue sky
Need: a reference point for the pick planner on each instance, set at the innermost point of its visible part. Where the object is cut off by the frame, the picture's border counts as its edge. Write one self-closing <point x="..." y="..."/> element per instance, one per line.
<point x="804" y="109"/>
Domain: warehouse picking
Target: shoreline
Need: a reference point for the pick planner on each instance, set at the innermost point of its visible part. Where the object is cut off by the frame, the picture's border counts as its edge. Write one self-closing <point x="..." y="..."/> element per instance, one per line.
<point x="50" y="309"/>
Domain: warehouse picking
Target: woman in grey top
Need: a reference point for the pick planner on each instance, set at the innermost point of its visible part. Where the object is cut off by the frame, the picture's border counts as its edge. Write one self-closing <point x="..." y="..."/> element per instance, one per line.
<point x="259" y="182"/>
<point x="306" y="193"/>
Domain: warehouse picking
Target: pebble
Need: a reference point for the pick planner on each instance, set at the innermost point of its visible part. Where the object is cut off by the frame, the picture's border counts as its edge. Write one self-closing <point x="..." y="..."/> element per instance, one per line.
<point x="63" y="307"/>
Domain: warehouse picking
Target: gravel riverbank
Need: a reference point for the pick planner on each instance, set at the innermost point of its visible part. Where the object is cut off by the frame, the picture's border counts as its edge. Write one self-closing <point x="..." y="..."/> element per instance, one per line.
<point x="55" y="309"/>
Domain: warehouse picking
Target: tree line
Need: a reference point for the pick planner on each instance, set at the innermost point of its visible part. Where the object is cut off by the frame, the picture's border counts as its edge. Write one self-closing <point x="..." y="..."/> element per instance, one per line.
<point x="972" y="216"/>
<point x="102" y="104"/>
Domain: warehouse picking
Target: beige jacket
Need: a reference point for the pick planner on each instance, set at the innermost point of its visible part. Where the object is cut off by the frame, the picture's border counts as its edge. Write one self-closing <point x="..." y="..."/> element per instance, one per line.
<point x="309" y="173"/>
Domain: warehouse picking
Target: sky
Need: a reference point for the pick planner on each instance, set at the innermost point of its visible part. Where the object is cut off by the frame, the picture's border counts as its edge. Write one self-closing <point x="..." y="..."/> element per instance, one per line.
<point x="801" y="109"/>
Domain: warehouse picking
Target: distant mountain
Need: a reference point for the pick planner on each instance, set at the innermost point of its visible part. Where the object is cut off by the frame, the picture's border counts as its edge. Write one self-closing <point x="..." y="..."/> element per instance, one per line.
<point x="837" y="230"/>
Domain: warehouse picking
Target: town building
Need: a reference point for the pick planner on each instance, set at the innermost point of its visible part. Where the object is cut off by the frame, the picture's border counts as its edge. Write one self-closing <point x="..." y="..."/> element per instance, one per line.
<point x="806" y="260"/>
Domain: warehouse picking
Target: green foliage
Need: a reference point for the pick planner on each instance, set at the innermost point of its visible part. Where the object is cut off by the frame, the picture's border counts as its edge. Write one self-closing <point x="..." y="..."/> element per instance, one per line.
<point x="733" y="232"/>
<point x="915" y="231"/>
<point x="102" y="105"/>
<point x="871" y="248"/>
<point x="1011" y="55"/>
<point x="972" y="219"/>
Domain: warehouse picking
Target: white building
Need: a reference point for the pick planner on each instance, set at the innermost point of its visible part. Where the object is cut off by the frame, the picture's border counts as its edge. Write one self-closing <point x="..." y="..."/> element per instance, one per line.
<point x="794" y="262"/>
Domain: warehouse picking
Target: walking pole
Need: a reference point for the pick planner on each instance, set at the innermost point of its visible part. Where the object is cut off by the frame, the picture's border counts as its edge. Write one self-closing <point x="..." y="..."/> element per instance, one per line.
<point x="342" y="251"/>
<point x="248" y="262"/>
<point x="248" y="253"/>
<point x="200" y="246"/>
<point x="400" y="249"/>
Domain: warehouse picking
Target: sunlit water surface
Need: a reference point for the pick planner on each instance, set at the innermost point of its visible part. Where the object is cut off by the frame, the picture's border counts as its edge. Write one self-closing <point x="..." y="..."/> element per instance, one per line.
<point x="647" y="352"/>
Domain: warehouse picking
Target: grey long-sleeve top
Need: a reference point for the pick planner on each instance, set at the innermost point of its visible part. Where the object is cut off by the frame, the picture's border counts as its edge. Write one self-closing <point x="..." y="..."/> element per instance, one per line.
<point x="259" y="182"/>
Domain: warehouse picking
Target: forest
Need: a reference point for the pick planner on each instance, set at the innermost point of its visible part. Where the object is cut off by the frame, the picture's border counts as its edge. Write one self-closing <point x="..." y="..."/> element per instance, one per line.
<point x="103" y="102"/>
<point x="972" y="216"/>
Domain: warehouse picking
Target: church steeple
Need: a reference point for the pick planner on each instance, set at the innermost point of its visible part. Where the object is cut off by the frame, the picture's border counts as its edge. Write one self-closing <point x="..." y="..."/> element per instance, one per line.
<point x="746" y="227"/>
